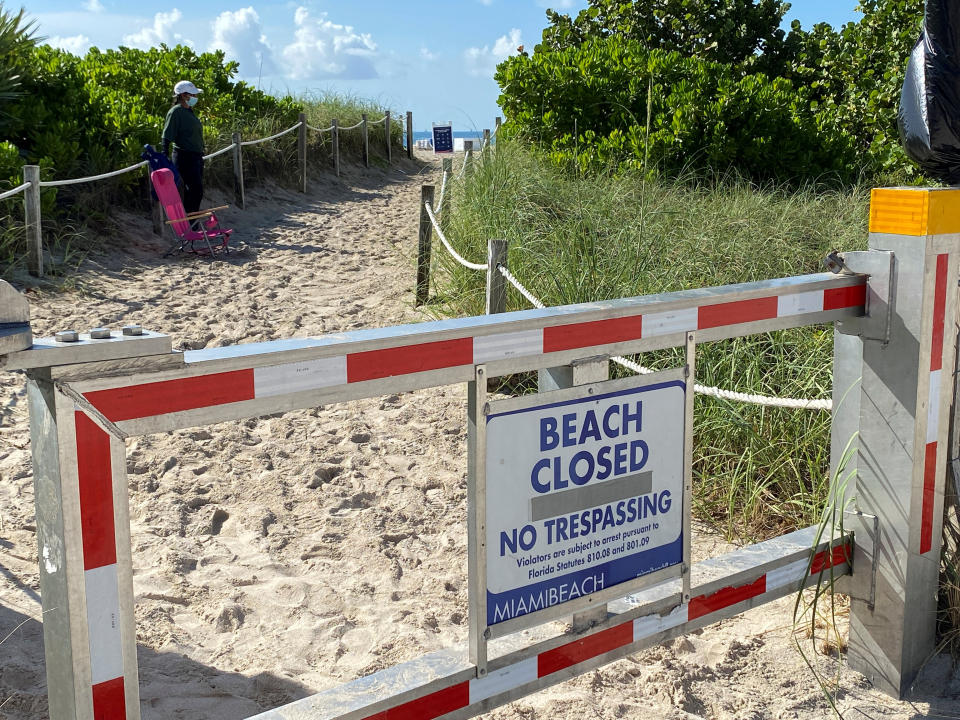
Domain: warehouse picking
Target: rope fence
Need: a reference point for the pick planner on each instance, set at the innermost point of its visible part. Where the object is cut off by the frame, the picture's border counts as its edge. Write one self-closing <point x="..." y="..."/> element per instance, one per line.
<point x="715" y="392"/>
<point x="221" y="151"/>
<point x="14" y="191"/>
<point x="92" y="178"/>
<point x="247" y="143"/>
<point x="33" y="184"/>
<point x="443" y="238"/>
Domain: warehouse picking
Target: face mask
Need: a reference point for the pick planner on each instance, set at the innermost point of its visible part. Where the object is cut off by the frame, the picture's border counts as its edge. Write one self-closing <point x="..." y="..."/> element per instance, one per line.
<point x="191" y="101"/>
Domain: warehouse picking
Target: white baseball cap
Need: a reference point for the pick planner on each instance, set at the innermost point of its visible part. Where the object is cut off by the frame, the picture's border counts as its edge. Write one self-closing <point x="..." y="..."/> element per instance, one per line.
<point x="185" y="86"/>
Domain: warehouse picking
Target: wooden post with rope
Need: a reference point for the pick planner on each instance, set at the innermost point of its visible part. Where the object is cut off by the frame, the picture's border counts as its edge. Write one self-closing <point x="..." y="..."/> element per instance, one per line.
<point x="423" y="247"/>
<point x="366" y="141"/>
<point x="302" y="151"/>
<point x="239" y="193"/>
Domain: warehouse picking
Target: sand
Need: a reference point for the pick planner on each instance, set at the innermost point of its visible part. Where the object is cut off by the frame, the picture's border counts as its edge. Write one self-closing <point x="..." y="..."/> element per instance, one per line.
<point x="280" y="556"/>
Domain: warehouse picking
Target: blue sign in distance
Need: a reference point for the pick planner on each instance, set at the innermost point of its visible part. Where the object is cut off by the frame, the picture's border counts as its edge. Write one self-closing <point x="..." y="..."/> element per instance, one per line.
<point x="443" y="138"/>
<point x="582" y="495"/>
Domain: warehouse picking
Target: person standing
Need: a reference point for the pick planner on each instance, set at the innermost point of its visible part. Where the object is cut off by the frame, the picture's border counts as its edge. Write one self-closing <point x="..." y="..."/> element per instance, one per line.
<point x="183" y="129"/>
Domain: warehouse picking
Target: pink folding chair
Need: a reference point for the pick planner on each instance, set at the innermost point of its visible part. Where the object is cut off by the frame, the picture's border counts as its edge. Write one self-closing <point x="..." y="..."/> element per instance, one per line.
<point x="198" y="232"/>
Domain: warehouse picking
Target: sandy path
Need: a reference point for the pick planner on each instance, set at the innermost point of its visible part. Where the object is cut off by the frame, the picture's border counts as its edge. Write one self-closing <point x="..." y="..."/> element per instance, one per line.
<point x="280" y="556"/>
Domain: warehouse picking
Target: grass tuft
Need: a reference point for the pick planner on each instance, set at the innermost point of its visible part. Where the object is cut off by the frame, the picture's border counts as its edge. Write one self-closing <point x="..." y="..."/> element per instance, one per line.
<point x="576" y="238"/>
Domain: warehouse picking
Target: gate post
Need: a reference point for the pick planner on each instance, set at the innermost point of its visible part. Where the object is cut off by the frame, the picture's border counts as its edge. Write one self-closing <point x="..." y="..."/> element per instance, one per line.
<point x="902" y="449"/>
<point x="86" y="572"/>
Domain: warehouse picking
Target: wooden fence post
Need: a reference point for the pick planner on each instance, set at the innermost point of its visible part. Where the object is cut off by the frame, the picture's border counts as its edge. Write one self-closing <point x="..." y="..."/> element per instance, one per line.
<point x="239" y="193"/>
<point x="366" y="142"/>
<point x="498" y="121"/>
<point x="423" y="248"/>
<point x="409" y="135"/>
<point x="336" y="146"/>
<point x="486" y="139"/>
<point x="302" y="151"/>
<point x="386" y="129"/>
<point x="467" y="155"/>
<point x="446" y="165"/>
<point x="31" y="213"/>
<point x="496" y="282"/>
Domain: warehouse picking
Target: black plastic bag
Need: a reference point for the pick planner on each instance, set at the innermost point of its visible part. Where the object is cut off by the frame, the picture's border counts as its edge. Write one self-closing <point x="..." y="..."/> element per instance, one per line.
<point x="929" y="116"/>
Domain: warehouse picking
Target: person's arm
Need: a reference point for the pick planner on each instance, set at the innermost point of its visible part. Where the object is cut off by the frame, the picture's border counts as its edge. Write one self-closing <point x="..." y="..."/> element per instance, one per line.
<point x="170" y="129"/>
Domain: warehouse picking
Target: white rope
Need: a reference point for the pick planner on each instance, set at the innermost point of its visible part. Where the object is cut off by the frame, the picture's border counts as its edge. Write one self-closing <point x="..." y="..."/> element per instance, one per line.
<point x="319" y="130"/>
<point x="533" y="300"/>
<point x="764" y="400"/>
<point x="219" y="152"/>
<point x="19" y="189"/>
<point x="353" y="127"/>
<point x="77" y="181"/>
<point x="272" y="137"/>
<point x="443" y="190"/>
<point x="456" y="256"/>
<point x="378" y="122"/>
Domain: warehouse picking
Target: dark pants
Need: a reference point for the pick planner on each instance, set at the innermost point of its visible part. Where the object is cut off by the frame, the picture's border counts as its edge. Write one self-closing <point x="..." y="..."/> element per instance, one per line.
<point x="190" y="166"/>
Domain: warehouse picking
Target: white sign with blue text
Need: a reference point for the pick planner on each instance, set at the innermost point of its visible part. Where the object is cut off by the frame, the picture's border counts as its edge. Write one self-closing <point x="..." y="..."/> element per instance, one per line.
<point x="582" y="494"/>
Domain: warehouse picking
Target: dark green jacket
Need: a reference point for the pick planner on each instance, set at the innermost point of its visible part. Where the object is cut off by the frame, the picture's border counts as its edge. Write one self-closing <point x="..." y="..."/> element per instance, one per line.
<point x="183" y="129"/>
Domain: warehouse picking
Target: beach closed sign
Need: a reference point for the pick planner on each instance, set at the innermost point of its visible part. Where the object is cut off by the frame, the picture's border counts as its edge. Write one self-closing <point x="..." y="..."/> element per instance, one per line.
<point x="582" y="494"/>
<point x="442" y="138"/>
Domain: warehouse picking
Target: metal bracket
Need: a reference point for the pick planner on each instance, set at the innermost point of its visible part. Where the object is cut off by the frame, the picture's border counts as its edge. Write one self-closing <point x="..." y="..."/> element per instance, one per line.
<point x="862" y="582"/>
<point x="15" y="332"/>
<point x="50" y="352"/>
<point x="878" y="265"/>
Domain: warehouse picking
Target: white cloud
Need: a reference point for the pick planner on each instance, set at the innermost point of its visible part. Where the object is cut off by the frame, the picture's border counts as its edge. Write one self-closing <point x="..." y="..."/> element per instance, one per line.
<point x="482" y="62"/>
<point x="240" y="35"/>
<point x="94" y="6"/>
<point x="427" y="55"/>
<point x="76" y="44"/>
<point x="325" y="50"/>
<point x="556" y="4"/>
<point x="160" y="32"/>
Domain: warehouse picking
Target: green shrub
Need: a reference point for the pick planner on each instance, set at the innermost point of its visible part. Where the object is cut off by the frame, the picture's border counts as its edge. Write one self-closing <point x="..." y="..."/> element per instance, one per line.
<point x="701" y="114"/>
<point x="717" y="85"/>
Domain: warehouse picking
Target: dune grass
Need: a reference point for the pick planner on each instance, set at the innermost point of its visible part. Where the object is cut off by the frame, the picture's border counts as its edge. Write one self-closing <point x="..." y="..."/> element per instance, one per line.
<point x="758" y="471"/>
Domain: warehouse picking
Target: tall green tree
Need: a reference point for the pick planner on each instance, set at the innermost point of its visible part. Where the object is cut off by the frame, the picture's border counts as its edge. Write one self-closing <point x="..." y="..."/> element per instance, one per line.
<point x="726" y="31"/>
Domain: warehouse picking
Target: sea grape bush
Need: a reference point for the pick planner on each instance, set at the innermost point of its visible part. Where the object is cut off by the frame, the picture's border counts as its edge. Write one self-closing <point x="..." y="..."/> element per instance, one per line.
<point x="78" y="116"/>
<point x="702" y="114"/>
<point x="720" y="86"/>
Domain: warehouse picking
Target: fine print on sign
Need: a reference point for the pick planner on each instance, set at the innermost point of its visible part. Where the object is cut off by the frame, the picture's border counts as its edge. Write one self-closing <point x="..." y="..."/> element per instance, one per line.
<point x="583" y="493"/>
<point x="442" y="138"/>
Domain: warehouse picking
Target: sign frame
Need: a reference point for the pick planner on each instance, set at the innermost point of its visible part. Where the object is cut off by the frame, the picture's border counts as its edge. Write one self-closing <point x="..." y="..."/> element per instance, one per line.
<point x="479" y="408"/>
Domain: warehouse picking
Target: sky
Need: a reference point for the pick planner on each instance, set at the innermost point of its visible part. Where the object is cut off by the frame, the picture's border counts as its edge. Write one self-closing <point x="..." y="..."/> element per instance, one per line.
<point x="433" y="57"/>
